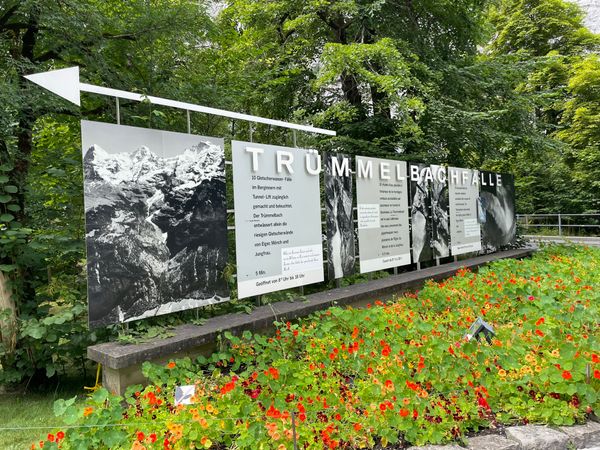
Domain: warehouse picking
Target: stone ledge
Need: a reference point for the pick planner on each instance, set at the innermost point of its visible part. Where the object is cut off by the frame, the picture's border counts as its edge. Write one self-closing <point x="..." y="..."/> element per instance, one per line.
<point x="582" y="436"/>
<point x="118" y="356"/>
<point x="537" y="437"/>
<point x="492" y="442"/>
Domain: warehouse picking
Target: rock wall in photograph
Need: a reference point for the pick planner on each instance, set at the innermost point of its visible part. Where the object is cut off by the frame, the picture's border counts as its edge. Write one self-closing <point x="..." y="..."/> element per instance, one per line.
<point x="421" y="223"/>
<point x="339" y="218"/>
<point x="440" y="236"/>
<point x="156" y="228"/>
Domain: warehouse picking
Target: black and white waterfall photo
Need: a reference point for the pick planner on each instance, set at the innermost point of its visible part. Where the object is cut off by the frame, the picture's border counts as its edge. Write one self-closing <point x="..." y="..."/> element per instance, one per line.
<point x="156" y="222"/>
<point x="440" y="213"/>
<point x="420" y="207"/>
<point x="338" y="211"/>
<point x="497" y="200"/>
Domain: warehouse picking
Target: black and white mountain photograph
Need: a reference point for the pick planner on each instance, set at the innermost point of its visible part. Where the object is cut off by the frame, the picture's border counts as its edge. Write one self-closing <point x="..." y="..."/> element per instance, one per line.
<point x="499" y="228"/>
<point x="440" y="212"/>
<point x="420" y="207"/>
<point x="156" y="222"/>
<point x="338" y="211"/>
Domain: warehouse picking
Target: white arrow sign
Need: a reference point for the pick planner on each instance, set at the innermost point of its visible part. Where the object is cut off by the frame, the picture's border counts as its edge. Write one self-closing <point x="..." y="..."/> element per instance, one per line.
<point x="65" y="83"/>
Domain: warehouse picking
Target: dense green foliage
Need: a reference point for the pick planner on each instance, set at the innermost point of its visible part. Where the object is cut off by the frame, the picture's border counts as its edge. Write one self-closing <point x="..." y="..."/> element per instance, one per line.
<point x="403" y="371"/>
<point x="507" y="85"/>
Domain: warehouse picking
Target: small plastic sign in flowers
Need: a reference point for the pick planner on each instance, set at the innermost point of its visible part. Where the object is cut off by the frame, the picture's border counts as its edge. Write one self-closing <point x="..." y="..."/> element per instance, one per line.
<point x="184" y="394"/>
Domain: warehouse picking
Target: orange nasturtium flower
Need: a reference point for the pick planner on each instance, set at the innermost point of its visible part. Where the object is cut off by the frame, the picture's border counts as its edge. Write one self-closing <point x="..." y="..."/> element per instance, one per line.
<point x="171" y="365"/>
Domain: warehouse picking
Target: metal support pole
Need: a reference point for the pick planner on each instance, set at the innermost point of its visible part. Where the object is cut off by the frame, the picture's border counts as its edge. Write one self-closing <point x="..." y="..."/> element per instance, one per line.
<point x="559" y="225"/>
<point x="302" y="291"/>
<point x="294" y="431"/>
<point x="294" y="140"/>
<point x="251" y="129"/>
<point x="338" y="283"/>
<point x="189" y="122"/>
<point x="455" y="258"/>
<point x="258" y="300"/>
<point x="437" y="261"/>
<point x="395" y="271"/>
<point x="418" y="265"/>
<point x="118" y="111"/>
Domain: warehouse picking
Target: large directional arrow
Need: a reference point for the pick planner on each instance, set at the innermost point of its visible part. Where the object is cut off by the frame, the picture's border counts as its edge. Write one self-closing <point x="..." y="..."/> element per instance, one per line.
<point x="66" y="84"/>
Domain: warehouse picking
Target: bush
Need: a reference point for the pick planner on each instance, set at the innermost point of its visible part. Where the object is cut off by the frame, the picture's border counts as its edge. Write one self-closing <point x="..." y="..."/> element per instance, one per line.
<point x="397" y="372"/>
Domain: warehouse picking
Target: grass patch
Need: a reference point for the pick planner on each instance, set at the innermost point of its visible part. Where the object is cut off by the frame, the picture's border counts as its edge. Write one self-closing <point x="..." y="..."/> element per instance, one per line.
<point x="32" y="409"/>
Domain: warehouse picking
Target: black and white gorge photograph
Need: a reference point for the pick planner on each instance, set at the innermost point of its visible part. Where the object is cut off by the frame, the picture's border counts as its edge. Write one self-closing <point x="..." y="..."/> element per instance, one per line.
<point x="156" y="221"/>
<point x="497" y="200"/>
<point x="420" y="207"/>
<point x="338" y="210"/>
<point x="440" y="213"/>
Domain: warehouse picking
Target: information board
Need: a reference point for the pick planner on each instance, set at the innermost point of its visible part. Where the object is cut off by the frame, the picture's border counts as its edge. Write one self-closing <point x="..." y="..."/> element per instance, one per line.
<point x="497" y="198"/>
<point x="277" y="217"/>
<point x="382" y="204"/>
<point x="338" y="215"/>
<point x="156" y="221"/>
<point x="420" y="212"/>
<point x="439" y="211"/>
<point x="465" y="230"/>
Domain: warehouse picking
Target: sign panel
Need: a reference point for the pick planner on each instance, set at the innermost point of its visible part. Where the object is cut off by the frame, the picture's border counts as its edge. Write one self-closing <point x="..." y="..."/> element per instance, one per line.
<point x="497" y="199"/>
<point x="156" y="221"/>
<point x="440" y="240"/>
<point x="277" y="217"/>
<point x="339" y="215"/>
<point x="420" y="212"/>
<point x="382" y="204"/>
<point x="465" y="231"/>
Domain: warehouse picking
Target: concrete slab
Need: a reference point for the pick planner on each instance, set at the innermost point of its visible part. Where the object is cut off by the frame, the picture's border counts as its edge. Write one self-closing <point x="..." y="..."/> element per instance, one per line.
<point x="536" y="437"/>
<point x="581" y="436"/>
<point x="492" y="442"/>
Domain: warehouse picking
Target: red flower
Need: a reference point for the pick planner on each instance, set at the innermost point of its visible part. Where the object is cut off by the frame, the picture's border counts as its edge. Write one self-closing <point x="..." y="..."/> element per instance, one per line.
<point x="274" y="373"/>
<point x="140" y="436"/>
<point x="540" y="321"/>
<point x="228" y="387"/>
<point x="451" y="350"/>
<point x="357" y="426"/>
<point x="338" y="416"/>
<point x="483" y="403"/>
<point x="60" y="435"/>
<point x="302" y="417"/>
<point x="567" y="375"/>
<point x="152" y="438"/>
<point x="404" y="412"/>
<point x="171" y="365"/>
<point x="596" y="373"/>
<point x="382" y="406"/>
<point x="50" y="437"/>
<point x="595" y="358"/>
<point x="386" y="350"/>
<point x="415" y="414"/>
<point x="540" y="333"/>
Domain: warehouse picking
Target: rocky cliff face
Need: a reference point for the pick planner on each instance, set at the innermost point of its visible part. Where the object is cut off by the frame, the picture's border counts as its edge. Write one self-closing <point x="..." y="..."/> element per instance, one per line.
<point x="156" y="231"/>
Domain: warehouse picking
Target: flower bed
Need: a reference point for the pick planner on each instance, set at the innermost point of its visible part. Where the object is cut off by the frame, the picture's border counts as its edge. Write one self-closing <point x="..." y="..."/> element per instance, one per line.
<point x="392" y="373"/>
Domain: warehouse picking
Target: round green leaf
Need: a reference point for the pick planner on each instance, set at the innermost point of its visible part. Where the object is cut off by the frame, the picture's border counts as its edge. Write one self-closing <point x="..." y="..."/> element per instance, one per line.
<point x="3" y="179"/>
<point x="13" y="207"/>
<point x="5" y="198"/>
<point x="11" y="189"/>
<point x="7" y="218"/>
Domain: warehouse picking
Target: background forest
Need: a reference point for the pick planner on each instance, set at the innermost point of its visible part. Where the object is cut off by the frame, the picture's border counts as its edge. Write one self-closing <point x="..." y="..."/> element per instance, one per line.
<point x="503" y="85"/>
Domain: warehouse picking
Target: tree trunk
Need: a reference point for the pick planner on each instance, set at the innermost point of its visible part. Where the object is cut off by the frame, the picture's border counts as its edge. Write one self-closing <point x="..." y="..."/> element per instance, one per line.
<point x="8" y="325"/>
